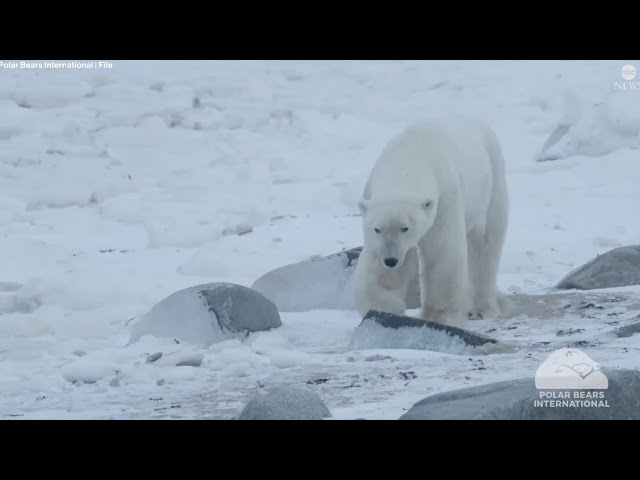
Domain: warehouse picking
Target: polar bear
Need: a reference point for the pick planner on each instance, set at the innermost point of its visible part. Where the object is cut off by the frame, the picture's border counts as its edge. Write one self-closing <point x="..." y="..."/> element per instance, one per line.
<point x="436" y="202"/>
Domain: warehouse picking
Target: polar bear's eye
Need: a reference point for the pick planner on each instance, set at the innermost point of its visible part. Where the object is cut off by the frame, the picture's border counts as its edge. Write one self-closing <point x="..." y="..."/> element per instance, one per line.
<point x="404" y="230"/>
<point x="377" y="230"/>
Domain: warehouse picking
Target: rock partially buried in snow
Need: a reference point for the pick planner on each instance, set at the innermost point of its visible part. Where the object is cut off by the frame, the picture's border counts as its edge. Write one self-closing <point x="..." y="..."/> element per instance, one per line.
<point x="286" y="403"/>
<point x="619" y="267"/>
<point x="241" y="229"/>
<point x="324" y="283"/>
<point x="628" y="330"/>
<point x="208" y="314"/>
<point x="194" y="360"/>
<point x="516" y="400"/>
<point x="87" y="371"/>
<point x="184" y="358"/>
<point x="385" y="330"/>
<point x="594" y="130"/>
<point x="153" y="357"/>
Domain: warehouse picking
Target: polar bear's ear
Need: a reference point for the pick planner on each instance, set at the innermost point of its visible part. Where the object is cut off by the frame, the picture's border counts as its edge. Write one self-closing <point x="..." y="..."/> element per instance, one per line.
<point x="362" y="205"/>
<point x="427" y="204"/>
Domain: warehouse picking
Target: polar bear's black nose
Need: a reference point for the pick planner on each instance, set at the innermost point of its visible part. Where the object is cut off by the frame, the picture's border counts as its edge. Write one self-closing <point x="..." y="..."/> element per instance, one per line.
<point x="390" y="262"/>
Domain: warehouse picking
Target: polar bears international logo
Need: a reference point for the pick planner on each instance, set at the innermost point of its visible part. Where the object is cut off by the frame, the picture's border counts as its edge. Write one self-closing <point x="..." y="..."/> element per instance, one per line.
<point x="628" y="72"/>
<point x="570" y="369"/>
<point x="570" y="378"/>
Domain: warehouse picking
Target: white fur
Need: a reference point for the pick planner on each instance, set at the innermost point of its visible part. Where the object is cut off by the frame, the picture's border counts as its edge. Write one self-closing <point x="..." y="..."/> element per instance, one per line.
<point x="444" y="182"/>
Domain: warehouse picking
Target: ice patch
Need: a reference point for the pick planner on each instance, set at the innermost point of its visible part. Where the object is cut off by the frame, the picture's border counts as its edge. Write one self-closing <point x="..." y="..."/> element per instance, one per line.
<point x="206" y="263"/>
<point x="282" y="358"/>
<point x="88" y="370"/>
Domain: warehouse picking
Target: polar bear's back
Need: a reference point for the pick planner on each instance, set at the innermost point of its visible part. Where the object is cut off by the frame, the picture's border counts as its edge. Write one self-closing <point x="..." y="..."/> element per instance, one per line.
<point x="453" y="153"/>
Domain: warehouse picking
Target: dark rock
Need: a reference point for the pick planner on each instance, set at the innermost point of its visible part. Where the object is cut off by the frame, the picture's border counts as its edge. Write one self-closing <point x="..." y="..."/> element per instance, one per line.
<point x="386" y="330"/>
<point x="570" y="331"/>
<point x="286" y="403"/>
<point x="207" y="314"/>
<point x="389" y="320"/>
<point x="378" y="358"/>
<point x="324" y="283"/>
<point x="190" y="361"/>
<point x="627" y="330"/>
<point x="153" y="357"/>
<point x="544" y="155"/>
<point x="619" y="267"/>
<point x="240" y="229"/>
<point x="317" y="381"/>
<point x="516" y="400"/>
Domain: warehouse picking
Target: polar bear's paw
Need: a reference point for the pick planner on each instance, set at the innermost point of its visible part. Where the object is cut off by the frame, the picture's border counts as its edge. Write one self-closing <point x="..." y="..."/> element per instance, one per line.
<point x="501" y="305"/>
<point x="386" y="303"/>
<point x="442" y="317"/>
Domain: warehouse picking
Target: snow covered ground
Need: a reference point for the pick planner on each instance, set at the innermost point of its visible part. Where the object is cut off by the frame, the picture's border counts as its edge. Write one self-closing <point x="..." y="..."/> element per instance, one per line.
<point x="119" y="187"/>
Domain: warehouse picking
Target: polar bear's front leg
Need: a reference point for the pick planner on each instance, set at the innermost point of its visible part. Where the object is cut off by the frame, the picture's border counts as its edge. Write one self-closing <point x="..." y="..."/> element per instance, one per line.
<point x="444" y="283"/>
<point x="376" y="298"/>
<point x="378" y="288"/>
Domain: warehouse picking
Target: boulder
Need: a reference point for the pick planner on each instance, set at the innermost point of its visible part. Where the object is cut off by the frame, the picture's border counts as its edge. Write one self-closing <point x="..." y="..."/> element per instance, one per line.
<point x="206" y="314"/>
<point x="521" y="400"/>
<point x="628" y="330"/>
<point x="286" y="403"/>
<point x="619" y="267"/>
<point x="324" y="283"/>
<point x="382" y="330"/>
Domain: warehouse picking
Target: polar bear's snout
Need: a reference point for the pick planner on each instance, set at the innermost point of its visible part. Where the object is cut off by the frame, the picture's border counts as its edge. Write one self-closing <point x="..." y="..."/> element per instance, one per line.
<point x="394" y="248"/>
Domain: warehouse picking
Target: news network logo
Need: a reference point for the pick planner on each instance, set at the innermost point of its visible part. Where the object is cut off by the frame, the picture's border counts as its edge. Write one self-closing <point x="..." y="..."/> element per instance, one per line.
<point x="628" y="74"/>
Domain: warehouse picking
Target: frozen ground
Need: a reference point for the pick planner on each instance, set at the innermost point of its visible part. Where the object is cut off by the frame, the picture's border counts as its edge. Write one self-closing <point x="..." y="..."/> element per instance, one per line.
<point x="119" y="187"/>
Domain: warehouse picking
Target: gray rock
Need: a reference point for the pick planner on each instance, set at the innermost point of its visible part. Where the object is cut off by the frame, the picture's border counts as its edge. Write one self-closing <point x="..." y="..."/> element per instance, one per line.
<point x="560" y="131"/>
<point x="619" y="267"/>
<point x="377" y="358"/>
<point x="207" y="314"/>
<point x="286" y="403"/>
<point x="153" y="357"/>
<point x="587" y="130"/>
<point x="324" y="283"/>
<point x="194" y="360"/>
<point x="240" y="229"/>
<point x="386" y="330"/>
<point x="627" y="331"/>
<point x="389" y="320"/>
<point x="516" y="400"/>
<point x="12" y="303"/>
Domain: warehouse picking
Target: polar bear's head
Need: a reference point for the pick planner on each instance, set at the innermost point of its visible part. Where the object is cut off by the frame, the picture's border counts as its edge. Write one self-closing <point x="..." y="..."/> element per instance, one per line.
<point x="394" y="225"/>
